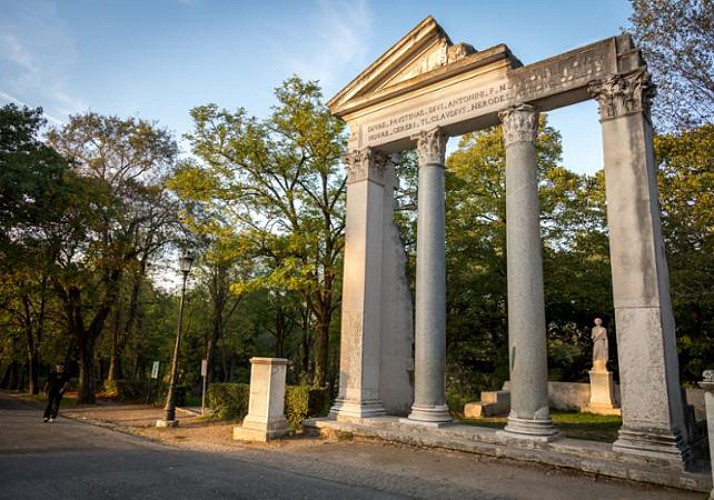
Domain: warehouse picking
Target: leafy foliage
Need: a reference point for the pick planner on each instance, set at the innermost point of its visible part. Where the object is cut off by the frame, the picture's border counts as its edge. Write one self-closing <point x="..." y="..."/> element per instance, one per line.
<point x="677" y="37"/>
<point x="686" y="182"/>
<point x="272" y="190"/>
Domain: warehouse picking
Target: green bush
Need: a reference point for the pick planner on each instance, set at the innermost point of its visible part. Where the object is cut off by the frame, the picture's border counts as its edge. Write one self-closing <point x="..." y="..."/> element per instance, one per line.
<point x="230" y="401"/>
<point x="142" y="391"/>
<point x="302" y="401"/>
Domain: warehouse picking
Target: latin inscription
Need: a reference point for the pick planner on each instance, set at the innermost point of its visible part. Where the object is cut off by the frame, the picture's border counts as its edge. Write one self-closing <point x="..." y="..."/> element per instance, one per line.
<point x="436" y="113"/>
<point x="525" y="84"/>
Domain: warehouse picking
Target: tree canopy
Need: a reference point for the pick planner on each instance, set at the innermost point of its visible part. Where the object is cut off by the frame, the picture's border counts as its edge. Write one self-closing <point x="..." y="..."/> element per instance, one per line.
<point x="677" y="37"/>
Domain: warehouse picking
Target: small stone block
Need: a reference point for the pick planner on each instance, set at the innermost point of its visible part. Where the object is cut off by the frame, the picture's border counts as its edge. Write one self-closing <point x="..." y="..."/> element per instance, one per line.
<point x="423" y="423"/>
<point x="474" y="410"/>
<point x="167" y="423"/>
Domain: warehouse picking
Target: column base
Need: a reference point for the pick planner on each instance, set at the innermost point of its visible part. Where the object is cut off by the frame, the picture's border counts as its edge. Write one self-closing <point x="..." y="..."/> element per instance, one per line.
<point x="537" y="430"/>
<point x="344" y="409"/>
<point x="261" y="429"/>
<point x="438" y="414"/>
<point x="668" y="447"/>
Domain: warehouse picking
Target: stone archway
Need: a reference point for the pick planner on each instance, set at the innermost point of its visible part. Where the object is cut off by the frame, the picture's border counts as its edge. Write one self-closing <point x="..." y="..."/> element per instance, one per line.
<point x="418" y="93"/>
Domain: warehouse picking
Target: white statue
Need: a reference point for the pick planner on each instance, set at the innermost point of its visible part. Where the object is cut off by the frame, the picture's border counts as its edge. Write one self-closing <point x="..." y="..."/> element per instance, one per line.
<point x="600" y="347"/>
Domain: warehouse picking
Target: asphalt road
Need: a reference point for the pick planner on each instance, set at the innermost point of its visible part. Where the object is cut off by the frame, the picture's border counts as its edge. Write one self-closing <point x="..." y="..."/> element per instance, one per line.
<point x="73" y="460"/>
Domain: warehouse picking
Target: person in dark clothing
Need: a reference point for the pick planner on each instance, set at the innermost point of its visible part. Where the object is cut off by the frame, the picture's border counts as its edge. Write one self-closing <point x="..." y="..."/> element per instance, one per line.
<point x="56" y="384"/>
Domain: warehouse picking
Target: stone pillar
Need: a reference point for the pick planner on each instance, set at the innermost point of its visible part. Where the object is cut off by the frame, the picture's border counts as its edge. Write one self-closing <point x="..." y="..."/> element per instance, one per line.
<point x="529" y="416"/>
<point x="359" y="395"/>
<point x="708" y="385"/>
<point x="266" y="417"/>
<point x="430" y="315"/>
<point x="652" y="410"/>
<point x="396" y="387"/>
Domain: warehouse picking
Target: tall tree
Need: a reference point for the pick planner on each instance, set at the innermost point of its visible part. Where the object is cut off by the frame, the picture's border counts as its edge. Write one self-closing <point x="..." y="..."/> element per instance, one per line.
<point x="32" y="192"/>
<point x="686" y="188"/>
<point x="677" y="37"/>
<point x="30" y="171"/>
<point x="277" y="181"/>
<point x="118" y="165"/>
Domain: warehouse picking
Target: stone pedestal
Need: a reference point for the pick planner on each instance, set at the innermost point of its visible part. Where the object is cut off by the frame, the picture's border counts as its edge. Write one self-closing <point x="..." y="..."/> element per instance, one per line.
<point x="652" y="412"/>
<point x="430" y="313"/>
<point x="708" y="385"/>
<point x="602" y="394"/>
<point x="529" y="417"/>
<point x="266" y="418"/>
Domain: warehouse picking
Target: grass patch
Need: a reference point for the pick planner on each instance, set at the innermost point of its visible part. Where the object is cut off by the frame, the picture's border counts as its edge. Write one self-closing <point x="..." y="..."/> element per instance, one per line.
<point x="574" y="425"/>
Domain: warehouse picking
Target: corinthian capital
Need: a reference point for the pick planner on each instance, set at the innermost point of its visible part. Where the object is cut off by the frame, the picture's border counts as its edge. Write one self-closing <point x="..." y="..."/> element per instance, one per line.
<point x="520" y="123"/>
<point x="621" y="95"/>
<point x="365" y="164"/>
<point x="431" y="146"/>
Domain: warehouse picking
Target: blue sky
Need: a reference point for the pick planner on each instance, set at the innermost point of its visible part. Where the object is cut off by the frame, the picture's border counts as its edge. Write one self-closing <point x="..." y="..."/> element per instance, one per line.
<point x="159" y="58"/>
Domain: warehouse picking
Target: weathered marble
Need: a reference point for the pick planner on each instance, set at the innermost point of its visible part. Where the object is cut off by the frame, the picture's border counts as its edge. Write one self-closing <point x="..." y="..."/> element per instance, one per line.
<point x="430" y="318"/>
<point x="602" y="394"/>
<point x="359" y="394"/>
<point x="425" y="83"/>
<point x="396" y="386"/>
<point x="266" y="418"/>
<point x="652" y="411"/>
<point x="529" y="416"/>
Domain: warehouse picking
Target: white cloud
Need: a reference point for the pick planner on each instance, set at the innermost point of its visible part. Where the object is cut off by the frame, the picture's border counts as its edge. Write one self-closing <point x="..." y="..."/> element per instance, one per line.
<point x="37" y="54"/>
<point x="6" y="98"/>
<point x="339" y="42"/>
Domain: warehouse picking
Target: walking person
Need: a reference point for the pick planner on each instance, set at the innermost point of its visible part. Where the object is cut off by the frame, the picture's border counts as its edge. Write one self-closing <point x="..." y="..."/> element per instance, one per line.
<point x="54" y="388"/>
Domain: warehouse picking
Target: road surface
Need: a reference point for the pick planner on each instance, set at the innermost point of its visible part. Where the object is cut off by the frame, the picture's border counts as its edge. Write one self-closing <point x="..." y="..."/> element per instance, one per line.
<point x="69" y="459"/>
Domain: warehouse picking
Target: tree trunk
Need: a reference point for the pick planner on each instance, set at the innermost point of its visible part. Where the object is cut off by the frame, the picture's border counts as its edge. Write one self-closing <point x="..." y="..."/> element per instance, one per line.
<point x="216" y="331"/>
<point x="86" y="371"/>
<point x="322" y="340"/>
<point x="32" y="348"/>
<point x="115" y="354"/>
<point x="34" y="369"/>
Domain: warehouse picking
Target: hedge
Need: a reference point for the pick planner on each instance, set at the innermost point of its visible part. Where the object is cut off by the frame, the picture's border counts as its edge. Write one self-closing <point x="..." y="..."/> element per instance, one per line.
<point x="137" y="391"/>
<point x="230" y="401"/>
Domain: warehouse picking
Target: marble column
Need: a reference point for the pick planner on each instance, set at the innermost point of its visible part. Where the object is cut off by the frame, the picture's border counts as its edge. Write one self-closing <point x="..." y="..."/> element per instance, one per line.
<point x="529" y="417"/>
<point x="359" y="395"/>
<point x="652" y="411"/>
<point x="430" y="312"/>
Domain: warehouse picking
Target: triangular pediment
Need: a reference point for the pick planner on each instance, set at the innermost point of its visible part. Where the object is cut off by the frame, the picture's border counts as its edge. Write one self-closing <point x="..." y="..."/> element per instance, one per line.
<point x="424" y="49"/>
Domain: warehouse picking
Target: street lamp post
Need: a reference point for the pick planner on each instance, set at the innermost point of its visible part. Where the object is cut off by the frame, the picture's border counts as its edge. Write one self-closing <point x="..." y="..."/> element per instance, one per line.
<point x="185" y="262"/>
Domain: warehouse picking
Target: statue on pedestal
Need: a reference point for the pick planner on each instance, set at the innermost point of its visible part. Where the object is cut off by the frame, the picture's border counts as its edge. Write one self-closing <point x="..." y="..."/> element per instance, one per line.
<point x="600" y="347"/>
<point x="602" y="387"/>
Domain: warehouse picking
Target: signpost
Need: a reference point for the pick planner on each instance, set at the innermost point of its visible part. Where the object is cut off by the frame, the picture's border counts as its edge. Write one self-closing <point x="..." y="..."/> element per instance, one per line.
<point x="204" y="374"/>
<point x="154" y="376"/>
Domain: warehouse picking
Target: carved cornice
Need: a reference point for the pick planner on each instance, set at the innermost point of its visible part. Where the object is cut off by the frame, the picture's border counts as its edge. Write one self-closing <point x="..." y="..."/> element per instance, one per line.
<point x="520" y="123"/>
<point x="431" y="146"/>
<point x="621" y="95"/>
<point x="365" y="164"/>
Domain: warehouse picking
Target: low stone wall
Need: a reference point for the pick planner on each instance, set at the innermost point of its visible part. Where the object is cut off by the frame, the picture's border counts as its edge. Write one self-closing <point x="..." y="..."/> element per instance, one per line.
<point x="569" y="396"/>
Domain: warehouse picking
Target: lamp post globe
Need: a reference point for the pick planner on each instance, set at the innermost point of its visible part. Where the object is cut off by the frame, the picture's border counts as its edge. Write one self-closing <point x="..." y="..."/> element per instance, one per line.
<point x="185" y="262"/>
